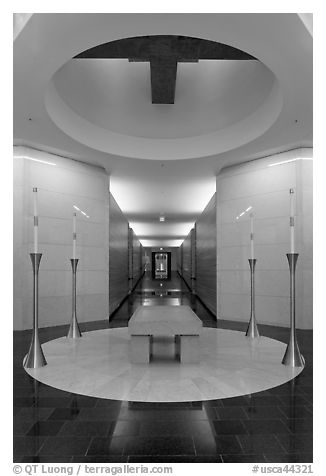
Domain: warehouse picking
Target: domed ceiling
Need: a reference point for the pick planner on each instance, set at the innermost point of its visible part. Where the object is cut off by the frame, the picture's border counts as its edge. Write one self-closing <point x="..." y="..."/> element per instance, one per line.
<point x="163" y="91"/>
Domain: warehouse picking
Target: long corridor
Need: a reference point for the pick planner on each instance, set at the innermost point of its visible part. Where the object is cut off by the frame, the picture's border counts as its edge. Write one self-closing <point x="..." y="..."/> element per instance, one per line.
<point x="172" y="292"/>
<point x="51" y="425"/>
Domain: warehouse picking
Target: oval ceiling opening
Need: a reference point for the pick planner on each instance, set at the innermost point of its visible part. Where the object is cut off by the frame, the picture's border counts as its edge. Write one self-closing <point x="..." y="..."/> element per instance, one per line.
<point x="163" y="97"/>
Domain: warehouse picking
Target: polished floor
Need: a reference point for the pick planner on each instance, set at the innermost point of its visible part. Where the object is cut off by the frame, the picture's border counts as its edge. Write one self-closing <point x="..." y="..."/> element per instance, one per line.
<point x="98" y="365"/>
<point x="52" y="425"/>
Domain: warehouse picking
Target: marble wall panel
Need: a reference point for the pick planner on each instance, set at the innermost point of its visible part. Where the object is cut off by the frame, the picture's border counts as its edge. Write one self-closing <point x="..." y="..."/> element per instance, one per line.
<point x="258" y="182"/>
<point x="66" y="179"/>
<point x="268" y="308"/>
<point x="60" y="187"/>
<point x="56" y="282"/>
<point x="135" y="251"/>
<point x="118" y="256"/>
<point x="206" y="271"/>
<point x="187" y="262"/>
<point x="179" y="259"/>
<point x="193" y="253"/>
<point x="58" y="309"/>
<point x="136" y="258"/>
<point x="263" y="189"/>
<point x="130" y="256"/>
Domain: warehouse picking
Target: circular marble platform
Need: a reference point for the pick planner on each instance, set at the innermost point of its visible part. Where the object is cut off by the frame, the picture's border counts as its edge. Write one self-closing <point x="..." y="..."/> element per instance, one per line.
<point x="98" y="365"/>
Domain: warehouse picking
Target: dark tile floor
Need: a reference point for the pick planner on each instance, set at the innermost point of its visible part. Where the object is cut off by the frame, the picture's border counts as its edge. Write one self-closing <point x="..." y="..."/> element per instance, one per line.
<point x="55" y="426"/>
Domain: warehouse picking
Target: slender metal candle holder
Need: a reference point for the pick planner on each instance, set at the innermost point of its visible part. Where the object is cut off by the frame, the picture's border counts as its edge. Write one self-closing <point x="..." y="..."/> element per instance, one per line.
<point x="292" y="356"/>
<point x="74" y="331"/>
<point x="35" y="357"/>
<point x="252" y="330"/>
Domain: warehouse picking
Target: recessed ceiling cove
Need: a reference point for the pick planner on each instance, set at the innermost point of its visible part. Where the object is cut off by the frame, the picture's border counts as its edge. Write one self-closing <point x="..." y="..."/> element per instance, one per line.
<point x="163" y="97"/>
<point x="163" y="53"/>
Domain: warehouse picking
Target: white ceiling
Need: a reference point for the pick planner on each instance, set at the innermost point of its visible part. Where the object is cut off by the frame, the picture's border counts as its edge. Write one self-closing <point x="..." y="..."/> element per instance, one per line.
<point x="163" y="159"/>
<point x="115" y="95"/>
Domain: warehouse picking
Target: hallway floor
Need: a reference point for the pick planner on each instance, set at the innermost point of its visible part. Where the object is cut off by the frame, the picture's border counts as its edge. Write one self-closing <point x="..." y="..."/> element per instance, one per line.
<point x="51" y="425"/>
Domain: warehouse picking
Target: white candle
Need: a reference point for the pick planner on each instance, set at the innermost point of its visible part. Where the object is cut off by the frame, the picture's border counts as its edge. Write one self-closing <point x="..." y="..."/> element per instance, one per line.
<point x="74" y="236"/>
<point x="292" y="220"/>
<point x="252" y="235"/>
<point x="35" y="221"/>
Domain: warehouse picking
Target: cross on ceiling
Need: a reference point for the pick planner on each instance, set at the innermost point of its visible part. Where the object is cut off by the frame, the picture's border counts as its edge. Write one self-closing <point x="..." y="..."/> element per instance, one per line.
<point x="164" y="52"/>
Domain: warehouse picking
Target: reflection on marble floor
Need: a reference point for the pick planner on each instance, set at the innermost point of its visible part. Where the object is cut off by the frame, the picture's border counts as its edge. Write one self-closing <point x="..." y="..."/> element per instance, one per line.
<point x="271" y="426"/>
<point x="98" y="365"/>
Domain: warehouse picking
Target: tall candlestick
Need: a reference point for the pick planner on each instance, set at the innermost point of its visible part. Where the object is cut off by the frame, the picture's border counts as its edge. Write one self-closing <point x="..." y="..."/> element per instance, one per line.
<point x="252" y="235"/>
<point x="35" y="221"/>
<point x="74" y="236"/>
<point x="292" y="220"/>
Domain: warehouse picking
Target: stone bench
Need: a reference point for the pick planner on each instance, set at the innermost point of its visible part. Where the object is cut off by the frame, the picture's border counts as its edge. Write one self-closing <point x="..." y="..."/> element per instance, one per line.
<point x="149" y="322"/>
